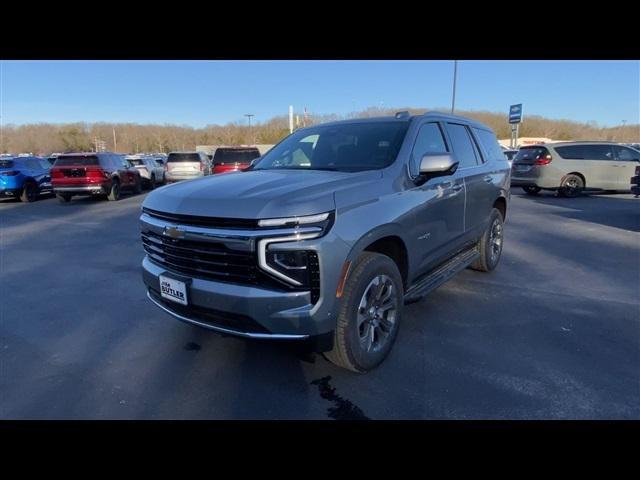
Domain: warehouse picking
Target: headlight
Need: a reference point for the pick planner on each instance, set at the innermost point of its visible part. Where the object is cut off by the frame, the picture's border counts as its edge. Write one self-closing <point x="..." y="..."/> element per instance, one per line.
<point x="294" y="265"/>
<point x="295" y="221"/>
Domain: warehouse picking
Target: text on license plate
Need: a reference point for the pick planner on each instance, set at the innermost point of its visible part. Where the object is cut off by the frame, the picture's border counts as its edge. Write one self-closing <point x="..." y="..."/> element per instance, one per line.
<point x="173" y="290"/>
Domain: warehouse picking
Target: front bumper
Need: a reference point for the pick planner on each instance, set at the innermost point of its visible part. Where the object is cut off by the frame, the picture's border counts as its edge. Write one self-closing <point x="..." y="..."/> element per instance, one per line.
<point x="254" y="311"/>
<point x="10" y="192"/>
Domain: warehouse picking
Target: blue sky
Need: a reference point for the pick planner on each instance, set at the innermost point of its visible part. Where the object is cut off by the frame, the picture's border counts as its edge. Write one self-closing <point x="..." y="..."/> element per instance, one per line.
<point x="198" y="93"/>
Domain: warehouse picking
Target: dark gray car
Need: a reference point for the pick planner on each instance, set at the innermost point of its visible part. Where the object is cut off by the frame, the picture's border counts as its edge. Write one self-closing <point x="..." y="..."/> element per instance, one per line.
<point x="330" y="232"/>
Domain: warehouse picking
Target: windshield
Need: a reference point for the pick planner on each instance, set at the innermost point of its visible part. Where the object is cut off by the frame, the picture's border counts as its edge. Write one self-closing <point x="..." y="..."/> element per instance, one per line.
<point x="347" y="148"/>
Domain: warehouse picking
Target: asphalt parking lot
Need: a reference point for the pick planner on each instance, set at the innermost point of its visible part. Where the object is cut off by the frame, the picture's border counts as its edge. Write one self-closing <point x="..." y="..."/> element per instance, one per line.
<point x="553" y="333"/>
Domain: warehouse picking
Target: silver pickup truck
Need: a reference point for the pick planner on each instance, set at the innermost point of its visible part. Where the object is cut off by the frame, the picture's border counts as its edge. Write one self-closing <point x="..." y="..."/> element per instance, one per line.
<point x="330" y="233"/>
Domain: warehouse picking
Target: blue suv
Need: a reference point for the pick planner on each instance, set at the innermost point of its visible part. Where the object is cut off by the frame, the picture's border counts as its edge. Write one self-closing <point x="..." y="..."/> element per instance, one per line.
<point x="24" y="177"/>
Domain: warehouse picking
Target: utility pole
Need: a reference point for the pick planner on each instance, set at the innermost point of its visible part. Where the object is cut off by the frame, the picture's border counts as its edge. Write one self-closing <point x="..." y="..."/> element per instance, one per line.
<point x="290" y="119"/>
<point x="249" y="115"/>
<point x="115" y="145"/>
<point x="455" y="76"/>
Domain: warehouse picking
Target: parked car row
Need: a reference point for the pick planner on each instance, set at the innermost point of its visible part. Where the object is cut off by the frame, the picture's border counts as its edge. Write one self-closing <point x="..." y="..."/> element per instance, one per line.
<point x="108" y="174"/>
<point x="571" y="168"/>
<point x="190" y="165"/>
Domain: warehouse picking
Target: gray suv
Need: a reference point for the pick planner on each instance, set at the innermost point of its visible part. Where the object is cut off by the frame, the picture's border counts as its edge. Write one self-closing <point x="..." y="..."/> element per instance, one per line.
<point x="330" y="233"/>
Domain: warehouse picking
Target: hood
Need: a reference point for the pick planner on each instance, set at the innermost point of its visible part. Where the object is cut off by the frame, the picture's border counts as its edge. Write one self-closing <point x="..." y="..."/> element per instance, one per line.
<point x="258" y="194"/>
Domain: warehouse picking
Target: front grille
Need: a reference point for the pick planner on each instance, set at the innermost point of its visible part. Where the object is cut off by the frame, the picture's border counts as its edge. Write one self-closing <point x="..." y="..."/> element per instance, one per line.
<point x="199" y="221"/>
<point x="216" y="318"/>
<point x="201" y="259"/>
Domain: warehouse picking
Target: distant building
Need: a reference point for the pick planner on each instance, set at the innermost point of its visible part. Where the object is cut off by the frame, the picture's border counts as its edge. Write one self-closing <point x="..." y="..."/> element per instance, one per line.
<point x="526" y="141"/>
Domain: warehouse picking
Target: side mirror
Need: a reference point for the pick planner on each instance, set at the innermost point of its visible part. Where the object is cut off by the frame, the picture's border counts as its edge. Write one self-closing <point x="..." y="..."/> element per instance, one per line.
<point x="437" y="165"/>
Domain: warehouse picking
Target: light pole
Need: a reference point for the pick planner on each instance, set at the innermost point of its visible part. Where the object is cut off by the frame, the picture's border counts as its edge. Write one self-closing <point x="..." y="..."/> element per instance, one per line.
<point x="249" y="115"/>
<point x="455" y="75"/>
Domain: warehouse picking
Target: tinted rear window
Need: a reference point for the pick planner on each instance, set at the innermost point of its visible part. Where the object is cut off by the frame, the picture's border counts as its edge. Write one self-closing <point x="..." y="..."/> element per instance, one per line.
<point x="233" y="155"/>
<point x="530" y="154"/>
<point x="135" y="161"/>
<point x="77" y="160"/>
<point x="589" y="152"/>
<point x="6" y="163"/>
<point x="489" y="144"/>
<point x="183" y="157"/>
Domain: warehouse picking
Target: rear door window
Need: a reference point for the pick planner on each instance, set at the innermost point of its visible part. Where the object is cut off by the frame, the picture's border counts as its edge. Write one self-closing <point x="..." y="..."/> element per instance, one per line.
<point x="489" y="144"/>
<point x="586" y="152"/>
<point x="626" y="154"/>
<point x="462" y="145"/>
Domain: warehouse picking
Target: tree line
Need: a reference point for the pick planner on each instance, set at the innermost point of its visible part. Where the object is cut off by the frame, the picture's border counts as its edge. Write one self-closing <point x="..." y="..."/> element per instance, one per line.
<point x="45" y="138"/>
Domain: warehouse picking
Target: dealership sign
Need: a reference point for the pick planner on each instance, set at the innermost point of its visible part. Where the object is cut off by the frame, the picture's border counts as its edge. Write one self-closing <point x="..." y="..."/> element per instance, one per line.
<point x="515" y="113"/>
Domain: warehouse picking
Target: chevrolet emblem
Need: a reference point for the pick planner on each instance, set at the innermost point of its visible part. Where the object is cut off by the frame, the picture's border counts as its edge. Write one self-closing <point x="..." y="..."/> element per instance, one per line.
<point x="173" y="232"/>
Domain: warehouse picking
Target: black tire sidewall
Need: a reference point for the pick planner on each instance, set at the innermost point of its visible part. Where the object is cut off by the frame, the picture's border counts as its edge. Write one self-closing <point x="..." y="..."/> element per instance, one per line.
<point x="29" y="192"/>
<point x="572" y="193"/>
<point x="365" y="361"/>
<point x="114" y="192"/>
<point x="487" y="244"/>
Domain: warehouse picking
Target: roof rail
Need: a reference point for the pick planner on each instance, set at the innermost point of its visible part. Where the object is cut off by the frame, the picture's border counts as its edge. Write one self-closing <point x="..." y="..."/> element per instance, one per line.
<point x="403" y="114"/>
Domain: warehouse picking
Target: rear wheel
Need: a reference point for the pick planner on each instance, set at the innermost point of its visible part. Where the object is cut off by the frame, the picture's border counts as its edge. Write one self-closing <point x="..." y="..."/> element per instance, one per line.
<point x="369" y="314"/>
<point x="490" y="244"/>
<point x="137" y="188"/>
<point x="114" y="192"/>
<point x="572" y="186"/>
<point x="29" y="192"/>
<point x="531" y="190"/>
<point x="63" y="197"/>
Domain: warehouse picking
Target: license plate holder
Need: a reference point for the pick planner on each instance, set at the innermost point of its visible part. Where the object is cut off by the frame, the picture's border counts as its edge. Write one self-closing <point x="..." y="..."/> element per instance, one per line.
<point x="173" y="289"/>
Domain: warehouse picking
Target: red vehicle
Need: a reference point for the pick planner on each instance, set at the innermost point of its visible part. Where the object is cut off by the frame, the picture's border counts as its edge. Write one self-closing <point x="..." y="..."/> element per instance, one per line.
<point x="231" y="159"/>
<point x="102" y="173"/>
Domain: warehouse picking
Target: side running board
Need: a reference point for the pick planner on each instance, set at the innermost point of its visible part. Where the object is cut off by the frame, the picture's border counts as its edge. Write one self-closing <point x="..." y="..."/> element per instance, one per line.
<point x="440" y="275"/>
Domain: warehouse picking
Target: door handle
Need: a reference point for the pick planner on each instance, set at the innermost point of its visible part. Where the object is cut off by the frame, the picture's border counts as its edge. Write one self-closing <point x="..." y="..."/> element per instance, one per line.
<point x="457" y="187"/>
<point x="488" y="178"/>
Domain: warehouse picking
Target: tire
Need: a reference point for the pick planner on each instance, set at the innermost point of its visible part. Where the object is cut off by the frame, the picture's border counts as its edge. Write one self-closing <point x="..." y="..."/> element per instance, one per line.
<point x="137" y="189"/>
<point x="531" y="190"/>
<point x="29" y="192"/>
<point x="63" y="197"/>
<point x="152" y="182"/>
<point x="490" y="244"/>
<point x="114" y="192"/>
<point x="365" y="334"/>
<point x="572" y="186"/>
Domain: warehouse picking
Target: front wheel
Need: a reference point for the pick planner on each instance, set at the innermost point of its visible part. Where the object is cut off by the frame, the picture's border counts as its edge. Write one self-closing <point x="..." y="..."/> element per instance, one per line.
<point x="369" y="314"/>
<point x="490" y="244"/>
<point x="531" y="190"/>
<point x="137" y="188"/>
